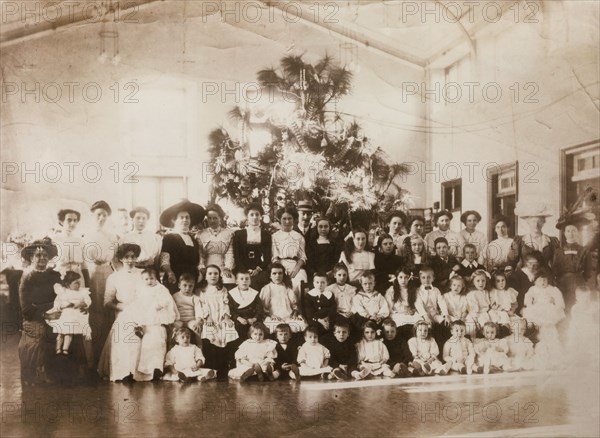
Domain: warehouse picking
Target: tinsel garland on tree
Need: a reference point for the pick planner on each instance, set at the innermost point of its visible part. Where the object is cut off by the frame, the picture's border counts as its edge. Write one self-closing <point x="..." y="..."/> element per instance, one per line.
<point x="310" y="151"/>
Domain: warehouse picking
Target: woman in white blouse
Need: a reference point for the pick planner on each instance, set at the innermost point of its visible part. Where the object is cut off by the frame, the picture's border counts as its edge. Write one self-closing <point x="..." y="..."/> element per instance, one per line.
<point x="498" y="253"/>
<point x="99" y="253"/>
<point x="149" y="242"/>
<point x="289" y="248"/>
<point x="215" y="243"/>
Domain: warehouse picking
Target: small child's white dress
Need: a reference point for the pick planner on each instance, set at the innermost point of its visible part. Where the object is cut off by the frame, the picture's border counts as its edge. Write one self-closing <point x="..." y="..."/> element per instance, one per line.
<point x="373" y="356"/>
<point x="425" y="351"/>
<point x="252" y="352"/>
<point x="457" y="306"/>
<point x="71" y="321"/>
<point x="279" y="303"/>
<point x="183" y="359"/>
<point x="503" y="300"/>
<point x="459" y="352"/>
<point x="400" y="311"/>
<point x="480" y="304"/>
<point x="491" y="352"/>
<point x="312" y="359"/>
<point x="543" y="306"/>
<point x="214" y="302"/>
<point x="521" y="353"/>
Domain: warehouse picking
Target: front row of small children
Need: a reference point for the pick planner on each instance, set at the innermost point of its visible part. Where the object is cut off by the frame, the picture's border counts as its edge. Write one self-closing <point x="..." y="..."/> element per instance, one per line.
<point x="335" y="357"/>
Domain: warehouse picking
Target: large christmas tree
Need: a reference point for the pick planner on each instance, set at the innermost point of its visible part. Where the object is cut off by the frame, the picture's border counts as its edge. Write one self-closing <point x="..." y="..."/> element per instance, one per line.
<point x="292" y="140"/>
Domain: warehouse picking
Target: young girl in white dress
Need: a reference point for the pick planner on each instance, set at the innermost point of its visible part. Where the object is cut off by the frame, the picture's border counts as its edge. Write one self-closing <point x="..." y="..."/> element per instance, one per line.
<point x="184" y="361"/>
<point x="480" y="303"/>
<point x="213" y="320"/>
<point x="401" y="301"/>
<point x="73" y="301"/>
<point x="256" y="355"/>
<point x="503" y="300"/>
<point x="425" y="351"/>
<point x="456" y="299"/>
<point x="372" y="354"/>
<point x="313" y="357"/>
<point x="492" y="353"/>
<point x="279" y="302"/>
<point x="458" y="351"/>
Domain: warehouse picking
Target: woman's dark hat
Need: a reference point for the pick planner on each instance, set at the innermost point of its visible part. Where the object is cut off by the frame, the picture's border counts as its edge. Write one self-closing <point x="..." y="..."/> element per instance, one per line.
<point x="103" y="205"/>
<point x="45" y="244"/>
<point x="195" y="211"/>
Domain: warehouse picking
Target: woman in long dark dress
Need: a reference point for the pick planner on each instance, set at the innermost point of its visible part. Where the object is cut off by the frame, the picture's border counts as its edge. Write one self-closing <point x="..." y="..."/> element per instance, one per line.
<point x="180" y="251"/>
<point x="36" y="296"/>
<point x="252" y="248"/>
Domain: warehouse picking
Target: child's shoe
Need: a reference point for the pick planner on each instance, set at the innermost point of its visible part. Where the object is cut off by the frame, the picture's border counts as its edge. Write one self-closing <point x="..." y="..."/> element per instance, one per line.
<point x="183" y="378"/>
<point x="388" y="373"/>
<point x="338" y="374"/>
<point x="139" y="332"/>
<point x="209" y="375"/>
<point x="295" y="372"/>
<point x="364" y="373"/>
<point x="248" y="373"/>
<point x="403" y="370"/>
<point x="426" y="368"/>
<point x="156" y="375"/>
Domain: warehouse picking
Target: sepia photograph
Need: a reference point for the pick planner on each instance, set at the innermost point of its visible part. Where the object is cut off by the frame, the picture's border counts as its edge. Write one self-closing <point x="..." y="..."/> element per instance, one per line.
<point x="315" y="218"/>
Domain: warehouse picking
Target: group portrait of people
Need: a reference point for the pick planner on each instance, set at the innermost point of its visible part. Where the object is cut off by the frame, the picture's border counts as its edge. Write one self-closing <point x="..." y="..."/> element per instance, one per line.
<point x="298" y="297"/>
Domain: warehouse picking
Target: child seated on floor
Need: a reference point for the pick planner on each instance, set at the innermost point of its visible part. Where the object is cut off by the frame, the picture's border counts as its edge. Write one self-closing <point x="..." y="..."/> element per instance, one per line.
<point x="319" y="304"/>
<point x="184" y="361"/>
<point x="459" y="353"/>
<point x="287" y="352"/>
<point x="372" y="354"/>
<point x="425" y="352"/>
<point x="342" y="291"/>
<point x="398" y="350"/>
<point x="521" y="354"/>
<point x="279" y="302"/>
<point x="255" y="356"/>
<point x="342" y="350"/>
<point x="491" y="351"/>
<point x="312" y="356"/>
<point x="368" y="304"/>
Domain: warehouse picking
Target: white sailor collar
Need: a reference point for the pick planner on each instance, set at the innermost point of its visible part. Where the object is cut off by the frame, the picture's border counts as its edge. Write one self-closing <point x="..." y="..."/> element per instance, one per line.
<point x="326" y="293"/>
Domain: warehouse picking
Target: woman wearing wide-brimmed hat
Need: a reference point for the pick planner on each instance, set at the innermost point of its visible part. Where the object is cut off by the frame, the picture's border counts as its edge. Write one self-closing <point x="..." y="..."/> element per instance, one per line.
<point x="36" y="296"/>
<point x="535" y="241"/>
<point x="100" y="249"/>
<point x="180" y="250"/>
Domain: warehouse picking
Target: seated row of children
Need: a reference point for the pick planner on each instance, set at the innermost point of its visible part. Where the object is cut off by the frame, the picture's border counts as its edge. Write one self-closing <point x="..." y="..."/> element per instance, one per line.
<point x="335" y="357"/>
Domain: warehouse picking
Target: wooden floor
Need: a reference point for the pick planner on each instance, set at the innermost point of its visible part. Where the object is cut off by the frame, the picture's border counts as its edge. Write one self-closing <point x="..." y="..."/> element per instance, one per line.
<point x="518" y="404"/>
